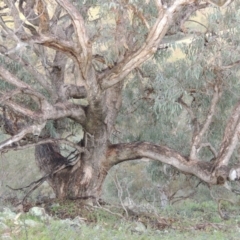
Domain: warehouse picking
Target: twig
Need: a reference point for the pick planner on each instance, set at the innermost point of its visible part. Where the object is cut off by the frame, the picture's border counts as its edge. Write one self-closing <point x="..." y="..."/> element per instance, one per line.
<point x="230" y="65"/>
<point x="120" y="192"/>
<point x="222" y="215"/>
<point x="190" y="20"/>
<point x="211" y="148"/>
<point x="192" y="115"/>
<point x="107" y="210"/>
<point x="40" y="181"/>
<point x="212" y="109"/>
<point x="219" y="200"/>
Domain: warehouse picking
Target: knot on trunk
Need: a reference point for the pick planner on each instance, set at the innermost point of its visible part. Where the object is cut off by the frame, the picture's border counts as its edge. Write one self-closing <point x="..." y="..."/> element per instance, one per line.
<point x="222" y="173"/>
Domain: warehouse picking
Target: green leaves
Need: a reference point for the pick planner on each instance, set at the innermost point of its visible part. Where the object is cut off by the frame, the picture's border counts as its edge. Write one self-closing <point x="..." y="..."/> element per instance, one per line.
<point x="191" y="76"/>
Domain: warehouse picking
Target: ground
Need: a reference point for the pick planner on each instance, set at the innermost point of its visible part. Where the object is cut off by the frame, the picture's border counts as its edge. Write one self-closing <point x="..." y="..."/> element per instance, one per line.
<point x="187" y="220"/>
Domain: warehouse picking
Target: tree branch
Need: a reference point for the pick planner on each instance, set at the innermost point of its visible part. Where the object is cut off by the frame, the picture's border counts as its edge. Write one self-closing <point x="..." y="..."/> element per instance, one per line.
<point x="157" y="32"/>
<point x="34" y="129"/>
<point x="73" y="91"/>
<point x="230" y="65"/>
<point x="64" y="46"/>
<point x="118" y="153"/>
<point x="230" y="138"/>
<point x="10" y="78"/>
<point x="121" y="152"/>
<point x="197" y="139"/>
<point x="48" y="140"/>
<point x="81" y="32"/>
<point x="28" y="66"/>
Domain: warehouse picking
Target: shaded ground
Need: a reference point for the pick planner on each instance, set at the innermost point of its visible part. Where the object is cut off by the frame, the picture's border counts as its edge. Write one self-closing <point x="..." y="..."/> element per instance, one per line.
<point x="194" y="218"/>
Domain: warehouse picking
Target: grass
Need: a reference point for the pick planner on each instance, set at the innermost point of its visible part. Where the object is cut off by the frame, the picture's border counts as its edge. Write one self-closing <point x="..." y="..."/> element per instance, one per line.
<point x="121" y="231"/>
<point x="190" y="220"/>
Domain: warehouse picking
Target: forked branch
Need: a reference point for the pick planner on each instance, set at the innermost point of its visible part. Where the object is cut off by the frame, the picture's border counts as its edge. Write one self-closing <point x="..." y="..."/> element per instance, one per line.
<point x="156" y="33"/>
<point x="118" y="153"/>
<point x="81" y="32"/>
<point x="230" y="138"/>
<point x="44" y="82"/>
<point x="198" y="137"/>
<point x="33" y="129"/>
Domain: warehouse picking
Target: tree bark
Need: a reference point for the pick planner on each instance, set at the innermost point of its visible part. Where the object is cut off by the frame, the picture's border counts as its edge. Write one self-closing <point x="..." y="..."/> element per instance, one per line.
<point x="83" y="180"/>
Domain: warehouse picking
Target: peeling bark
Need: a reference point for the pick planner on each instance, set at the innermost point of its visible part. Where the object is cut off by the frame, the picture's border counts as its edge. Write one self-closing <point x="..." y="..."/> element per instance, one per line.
<point x="82" y="180"/>
<point x="131" y="151"/>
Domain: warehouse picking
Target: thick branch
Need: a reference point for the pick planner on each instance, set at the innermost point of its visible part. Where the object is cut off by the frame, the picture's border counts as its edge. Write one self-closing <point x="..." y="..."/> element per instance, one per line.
<point x="62" y="110"/>
<point x="118" y="153"/>
<point x="81" y="32"/>
<point x="22" y="110"/>
<point x="73" y="91"/>
<point x="57" y="44"/>
<point x="155" y="35"/>
<point x="131" y="151"/>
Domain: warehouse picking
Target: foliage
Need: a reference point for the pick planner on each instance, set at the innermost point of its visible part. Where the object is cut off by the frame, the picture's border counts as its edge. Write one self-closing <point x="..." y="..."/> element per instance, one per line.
<point x="152" y="102"/>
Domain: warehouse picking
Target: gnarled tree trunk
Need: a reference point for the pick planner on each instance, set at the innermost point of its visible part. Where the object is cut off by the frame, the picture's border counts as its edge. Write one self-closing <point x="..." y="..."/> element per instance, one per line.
<point x="82" y="180"/>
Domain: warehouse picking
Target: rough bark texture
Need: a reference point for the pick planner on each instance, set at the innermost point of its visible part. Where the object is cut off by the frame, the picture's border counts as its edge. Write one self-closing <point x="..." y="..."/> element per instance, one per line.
<point x="83" y="180"/>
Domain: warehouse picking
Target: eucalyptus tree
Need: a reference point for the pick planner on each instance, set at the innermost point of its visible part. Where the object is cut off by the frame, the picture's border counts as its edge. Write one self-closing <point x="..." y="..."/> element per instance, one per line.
<point x="68" y="69"/>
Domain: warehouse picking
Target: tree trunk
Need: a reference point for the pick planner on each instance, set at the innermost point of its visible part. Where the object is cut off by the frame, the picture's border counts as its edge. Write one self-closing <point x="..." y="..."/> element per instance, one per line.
<point x="83" y="180"/>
